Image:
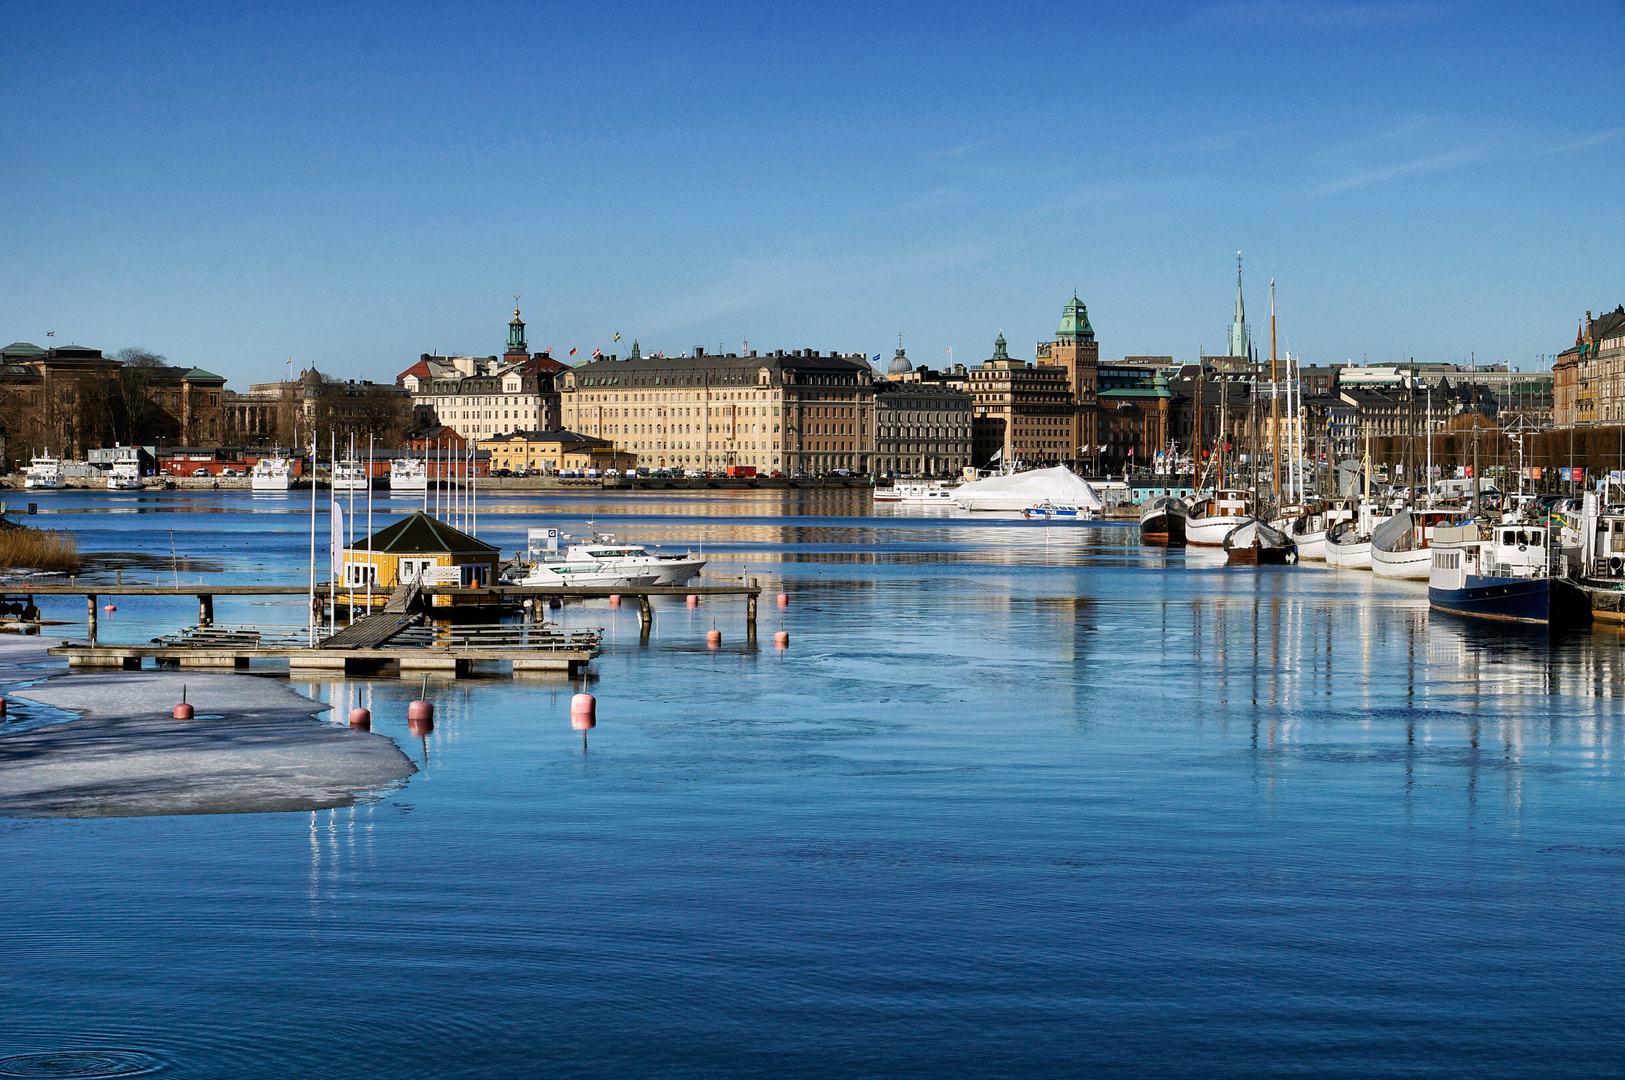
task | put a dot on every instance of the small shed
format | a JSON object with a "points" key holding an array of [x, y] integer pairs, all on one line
{"points": [[420, 547]]}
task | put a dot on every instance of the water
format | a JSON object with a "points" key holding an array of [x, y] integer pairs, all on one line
{"points": [[1017, 801]]}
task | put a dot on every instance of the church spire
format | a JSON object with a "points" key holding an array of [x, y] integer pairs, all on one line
{"points": [[1240, 340], [516, 332]]}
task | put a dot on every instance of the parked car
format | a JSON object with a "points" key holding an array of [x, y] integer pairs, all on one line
{"points": [[776, 475], [200, 472], [230, 472], [501, 472], [693, 474]]}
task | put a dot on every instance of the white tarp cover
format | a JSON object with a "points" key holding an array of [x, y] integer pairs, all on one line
{"points": [[1021, 490]]}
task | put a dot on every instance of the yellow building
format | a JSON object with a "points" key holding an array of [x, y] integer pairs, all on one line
{"points": [[554, 451], [420, 548]]}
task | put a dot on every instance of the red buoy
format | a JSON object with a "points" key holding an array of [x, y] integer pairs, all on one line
{"points": [[784, 599], [420, 710], [693, 601], [614, 600], [361, 718], [583, 712], [782, 639], [183, 711], [713, 638], [109, 607]]}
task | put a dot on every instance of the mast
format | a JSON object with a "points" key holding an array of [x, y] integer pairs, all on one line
{"points": [[1275, 405], [1196, 454]]}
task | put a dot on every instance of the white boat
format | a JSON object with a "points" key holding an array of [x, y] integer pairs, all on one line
{"points": [[350, 476], [1064, 511], [1347, 547], [1401, 547], [606, 564], [126, 474], [44, 473], [272, 474], [1308, 523], [918, 493], [408, 475], [1212, 518], [1019, 491]]}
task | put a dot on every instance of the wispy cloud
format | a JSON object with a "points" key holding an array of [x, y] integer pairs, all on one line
{"points": [[1305, 15], [1581, 144], [1432, 163]]}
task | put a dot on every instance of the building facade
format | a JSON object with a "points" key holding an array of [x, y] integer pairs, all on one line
{"points": [[1076, 352], [1589, 377], [1020, 411], [480, 396], [801, 412], [551, 452], [922, 423]]}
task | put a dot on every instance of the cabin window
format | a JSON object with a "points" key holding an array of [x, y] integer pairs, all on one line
{"points": [[1535, 538], [1509, 538]]}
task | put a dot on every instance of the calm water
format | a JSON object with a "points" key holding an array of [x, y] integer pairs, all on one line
{"points": [[1018, 801]]}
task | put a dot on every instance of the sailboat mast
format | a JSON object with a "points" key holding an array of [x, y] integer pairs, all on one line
{"points": [[1275, 404], [1196, 452]]}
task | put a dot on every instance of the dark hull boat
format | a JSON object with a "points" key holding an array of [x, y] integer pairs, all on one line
{"points": [[1162, 522], [1547, 601], [1503, 572], [1254, 543]]}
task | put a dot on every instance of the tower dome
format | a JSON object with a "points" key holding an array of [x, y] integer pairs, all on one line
{"points": [[899, 365]]}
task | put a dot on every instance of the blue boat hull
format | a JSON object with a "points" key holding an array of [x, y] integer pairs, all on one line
{"points": [[1546, 601]]}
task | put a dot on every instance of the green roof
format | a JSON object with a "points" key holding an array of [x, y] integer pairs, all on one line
{"points": [[197, 374], [422, 534], [1075, 322], [22, 348]]}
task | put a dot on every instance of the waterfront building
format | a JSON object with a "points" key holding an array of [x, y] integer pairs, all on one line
{"points": [[799, 412], [553, 452], [1134, 413], [922, 422], [1076, 352], [1021, 411], [420, 547], [1589, 377], [479, 396]]}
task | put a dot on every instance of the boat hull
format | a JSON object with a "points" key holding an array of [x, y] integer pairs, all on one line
{"points": [[1545, 601], [1311, 546], [1414, 565], [1356, 556], [1211, 531], [1162, 527]]}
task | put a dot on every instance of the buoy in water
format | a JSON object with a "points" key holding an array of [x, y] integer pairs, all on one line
{"points": [[782, 639], [554, 602], [784, 599], [110, 607], [583, 712], [713, 638], [183, 711], [614, 600], [693, 601], [361, 718], [420, 710]]}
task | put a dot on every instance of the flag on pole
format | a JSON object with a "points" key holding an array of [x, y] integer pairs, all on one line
{"points": [[617, 337], [598, 354], [572, 352]]}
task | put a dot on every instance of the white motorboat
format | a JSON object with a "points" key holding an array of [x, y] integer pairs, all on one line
{"points": [[1212, 518], [918, 493], [350, 476], [271, 474], [1063, 511], [44, 473], [616, 566], [1401, 547], [126, 474], [408, 475]]}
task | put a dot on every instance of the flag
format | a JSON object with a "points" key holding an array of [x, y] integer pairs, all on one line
{"points": [[336, 547], [617, 337], [50, 333], [876, 360], [572, 352], [598, 354]]}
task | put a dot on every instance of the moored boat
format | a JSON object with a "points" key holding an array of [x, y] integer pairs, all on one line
{"points": [[351, 476], [408, 475], [1065, 511], [1212, 518], [1502, 572], [1253, 543], [607, 564], [272, 474], [1162, 521], [1400, 545], [44, 473]]}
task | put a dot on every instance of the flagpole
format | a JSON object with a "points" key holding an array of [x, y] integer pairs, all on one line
{"points": [[349, 530], [332, 505], [311, 606], [371, 440]]}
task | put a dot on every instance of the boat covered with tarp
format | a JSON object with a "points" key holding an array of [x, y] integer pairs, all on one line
{"points": [[1018, 491]]}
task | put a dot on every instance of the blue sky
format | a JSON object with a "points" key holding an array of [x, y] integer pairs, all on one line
{"points": [[236, 185]]}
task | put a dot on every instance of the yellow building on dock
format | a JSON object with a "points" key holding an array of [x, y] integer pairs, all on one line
{"points": [[420, 548]]}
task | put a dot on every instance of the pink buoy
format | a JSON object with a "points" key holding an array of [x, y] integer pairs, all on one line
{"points": [[693, 601], [784, 599], [614, 600], [713, 638], [782, 639], [420, 710], [361, 718], [109, 607], [583, 712], [183, 711]]}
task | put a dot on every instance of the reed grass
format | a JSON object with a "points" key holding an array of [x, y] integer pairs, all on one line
{"points": [[22, 548]]}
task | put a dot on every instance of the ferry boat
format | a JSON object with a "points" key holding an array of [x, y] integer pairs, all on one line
{"points": [[351, 476], [1162, 521], [126, 474], [44, 473], [1253, 543], [1400, 546], [1502, 572], [606, 564], [1212, 518], [1067, 511], [408, 475], [271, 474]]}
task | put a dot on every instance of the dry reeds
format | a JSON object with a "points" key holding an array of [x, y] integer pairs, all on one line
{"points": [[22, 548]]}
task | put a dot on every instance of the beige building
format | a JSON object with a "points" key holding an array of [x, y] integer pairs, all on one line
{"points": [[1590, 377], [480, 396], [1076, 352], [1020, 411], [554, 452], [922, 423], [798, 412]]}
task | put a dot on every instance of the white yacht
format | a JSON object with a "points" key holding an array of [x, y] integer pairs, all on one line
{"points": [[408, 475], [44, 473], [126, 474], [271, 474], [918, 493], [1211, 519], [606, 564], [350, 476]]}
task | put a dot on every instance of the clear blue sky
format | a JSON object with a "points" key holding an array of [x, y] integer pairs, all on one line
{"points": [[234, 185]]}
